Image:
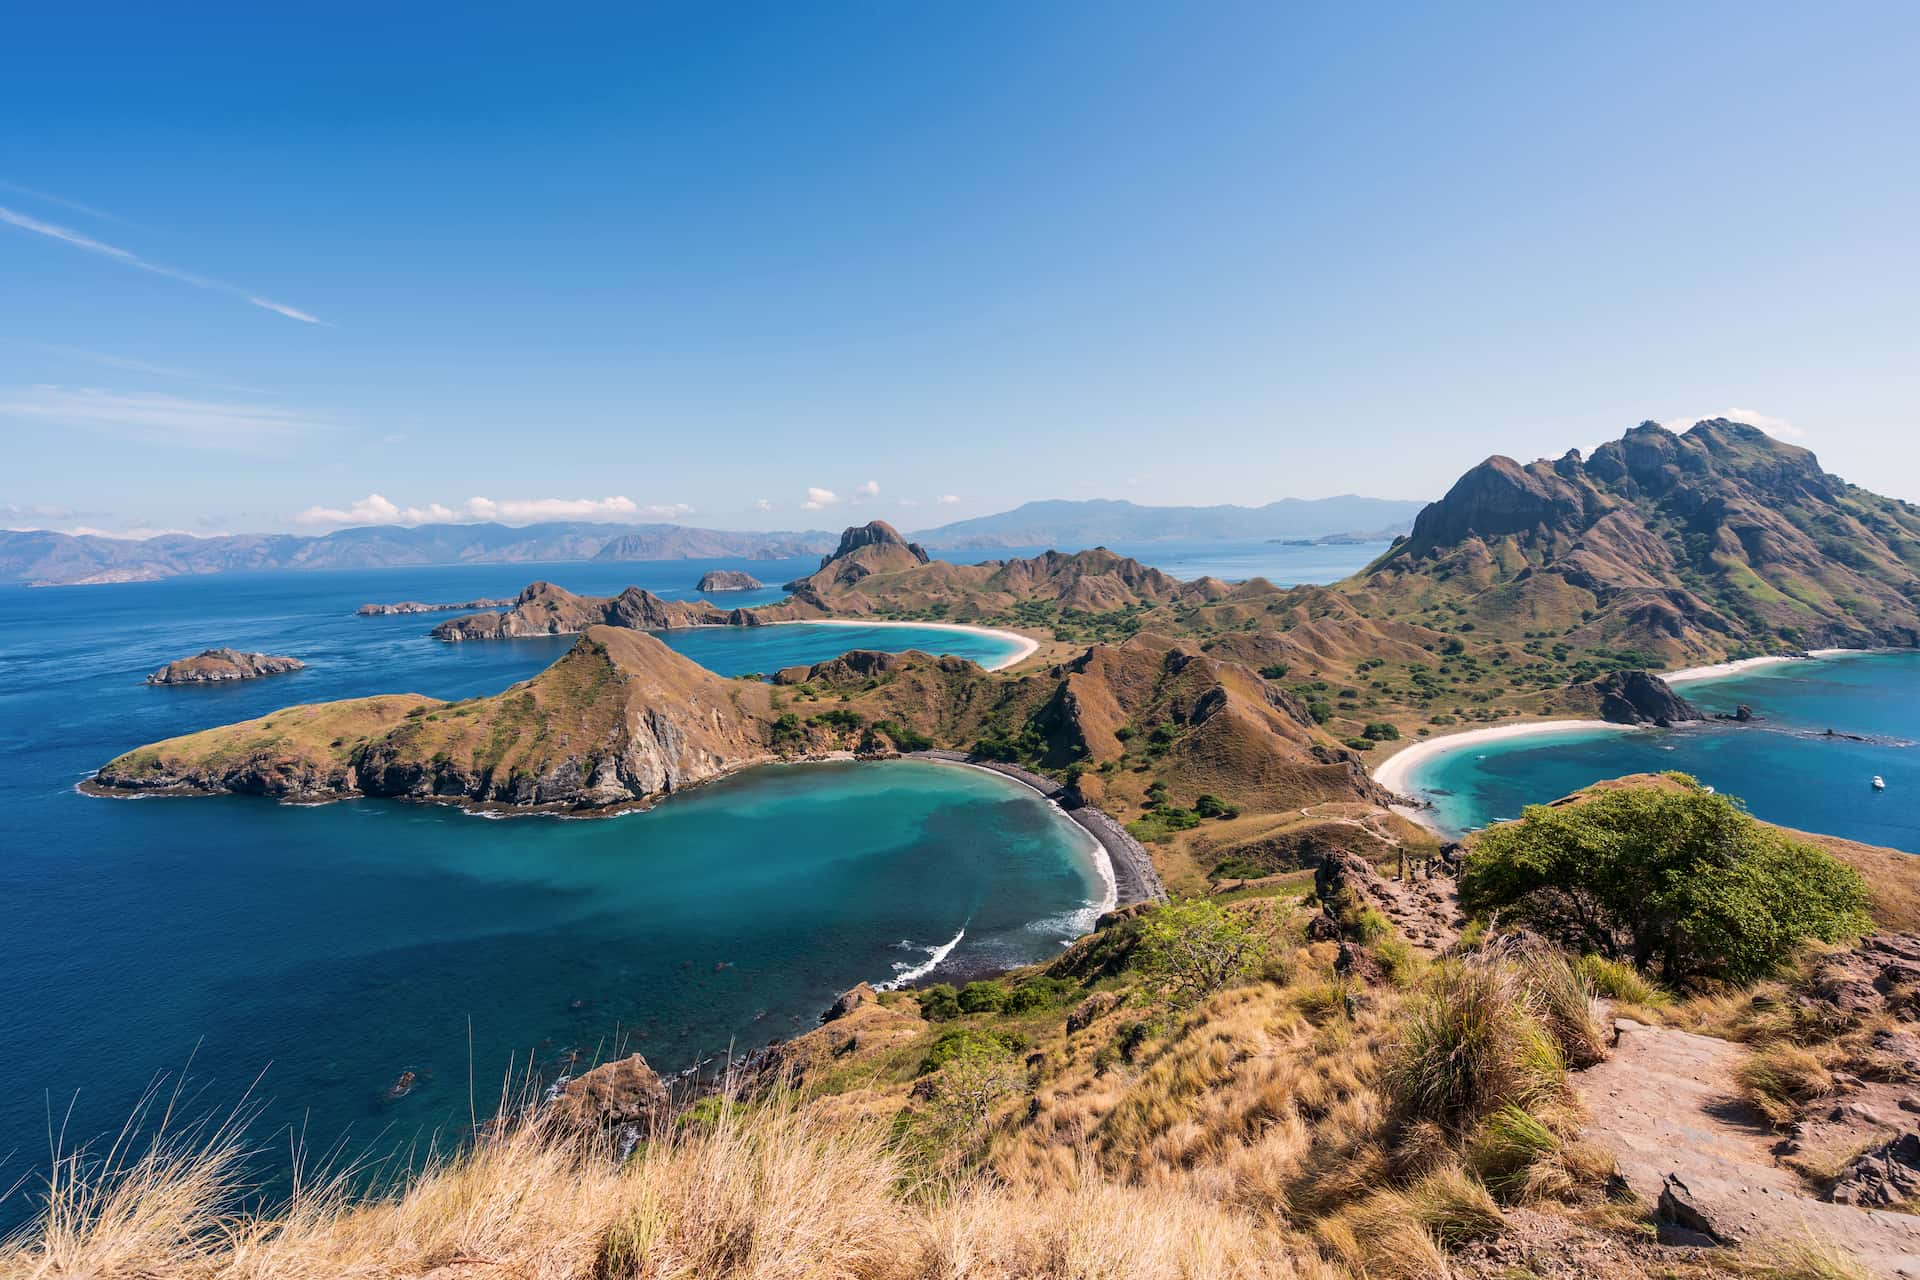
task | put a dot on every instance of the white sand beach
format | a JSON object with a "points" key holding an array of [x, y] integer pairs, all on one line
{"points": [[1027, 643], [1720, 669], [1396, 772]]}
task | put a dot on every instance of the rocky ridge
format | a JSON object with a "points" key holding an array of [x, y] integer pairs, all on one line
{"points": [[1690, 546], [544, 609]]}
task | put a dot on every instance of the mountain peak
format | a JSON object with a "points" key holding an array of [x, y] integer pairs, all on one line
{"points": [[875, 533]]}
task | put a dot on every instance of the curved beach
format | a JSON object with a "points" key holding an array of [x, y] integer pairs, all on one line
{"points": [[1396, 773], [1027, 645]]}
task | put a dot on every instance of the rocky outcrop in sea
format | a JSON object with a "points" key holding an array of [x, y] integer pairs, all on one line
{"points": [[728, 580], [213, 666]]}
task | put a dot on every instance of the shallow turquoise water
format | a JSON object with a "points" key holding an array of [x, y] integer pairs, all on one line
{"points": [[1782, 767], [336, 946]]}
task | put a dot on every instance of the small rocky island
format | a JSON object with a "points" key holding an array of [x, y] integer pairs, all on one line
{"points": [[417, 606], [728, 580], [214, 665]]}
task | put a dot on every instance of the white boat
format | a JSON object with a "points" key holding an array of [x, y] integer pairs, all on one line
{"points": [[1879, 783]]}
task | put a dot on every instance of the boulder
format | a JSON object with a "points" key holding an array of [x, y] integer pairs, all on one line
{"points": [[1091, 1010], [850, 999], [611, 1096]]}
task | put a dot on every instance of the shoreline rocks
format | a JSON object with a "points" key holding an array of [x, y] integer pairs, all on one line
{"points": [[214, 666]]}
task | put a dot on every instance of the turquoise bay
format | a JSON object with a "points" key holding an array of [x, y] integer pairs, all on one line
{"points": [[334, 948], [1784, 766]]}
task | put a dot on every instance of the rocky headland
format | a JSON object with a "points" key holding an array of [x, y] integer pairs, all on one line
{"points": [[544, 609], [1632, 697], [214, 666], [417, 606], [728, 580]]}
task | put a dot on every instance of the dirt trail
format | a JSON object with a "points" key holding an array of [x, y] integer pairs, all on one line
{"points": [[1666, 1104]]}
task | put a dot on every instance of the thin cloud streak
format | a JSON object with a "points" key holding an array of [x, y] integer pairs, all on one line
{"points": [[47, 197], [79, 240], [156, 416]]}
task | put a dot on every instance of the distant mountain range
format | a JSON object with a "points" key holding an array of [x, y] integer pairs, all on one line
{"points": [[42, 556], [49, 558], [1072, 526]]}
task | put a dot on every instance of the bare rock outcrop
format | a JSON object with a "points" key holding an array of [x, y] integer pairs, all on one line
{"points": [[612, 1096], [728, 580], [216, 666]]}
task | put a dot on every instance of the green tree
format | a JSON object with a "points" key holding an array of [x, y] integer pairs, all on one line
{"points": [[1189, 950], [1685, 881]]}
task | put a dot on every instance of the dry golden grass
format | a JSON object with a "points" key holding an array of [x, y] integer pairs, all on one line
{"points": [[762, 1193], [1298, 1126]]}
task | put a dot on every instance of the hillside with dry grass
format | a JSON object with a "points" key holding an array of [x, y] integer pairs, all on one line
{"points": [[1267, 1082]]}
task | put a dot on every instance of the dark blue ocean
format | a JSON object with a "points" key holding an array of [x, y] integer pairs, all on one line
{"points": [[334, 947], [1783, 766]]}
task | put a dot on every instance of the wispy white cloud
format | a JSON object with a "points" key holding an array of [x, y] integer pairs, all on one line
{"points": [[1779, 428], [947, 499], [129, 364], [156, 416], [378, 509], [47, 197], [907, 502], [870, 489], [80, 240], [762, 504], [818, 498]]}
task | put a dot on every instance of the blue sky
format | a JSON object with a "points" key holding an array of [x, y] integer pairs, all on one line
{"points": [[257, 267]]}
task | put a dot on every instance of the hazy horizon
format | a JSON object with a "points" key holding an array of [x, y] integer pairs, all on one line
{"points": [[783, 269]]}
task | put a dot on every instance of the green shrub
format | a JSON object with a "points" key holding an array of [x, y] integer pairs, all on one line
{"points": [[1189, 950], [1360, 744], [1274, 671], [902, 737], [1237, 867], [1212, 806], [1380, 731], [1320, 711], [1040, 993], [957, 1042], [1689, 881], [938, 1003], [982, 997]]}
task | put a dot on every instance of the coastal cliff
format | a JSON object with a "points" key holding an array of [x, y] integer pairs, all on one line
{"points": [[215, 666]]}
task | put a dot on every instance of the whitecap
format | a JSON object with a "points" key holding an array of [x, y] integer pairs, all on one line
{"points": [[904, 974]]}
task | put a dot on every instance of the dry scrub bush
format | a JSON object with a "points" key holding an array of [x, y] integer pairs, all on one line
{"points": [[1780, 1078]]}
